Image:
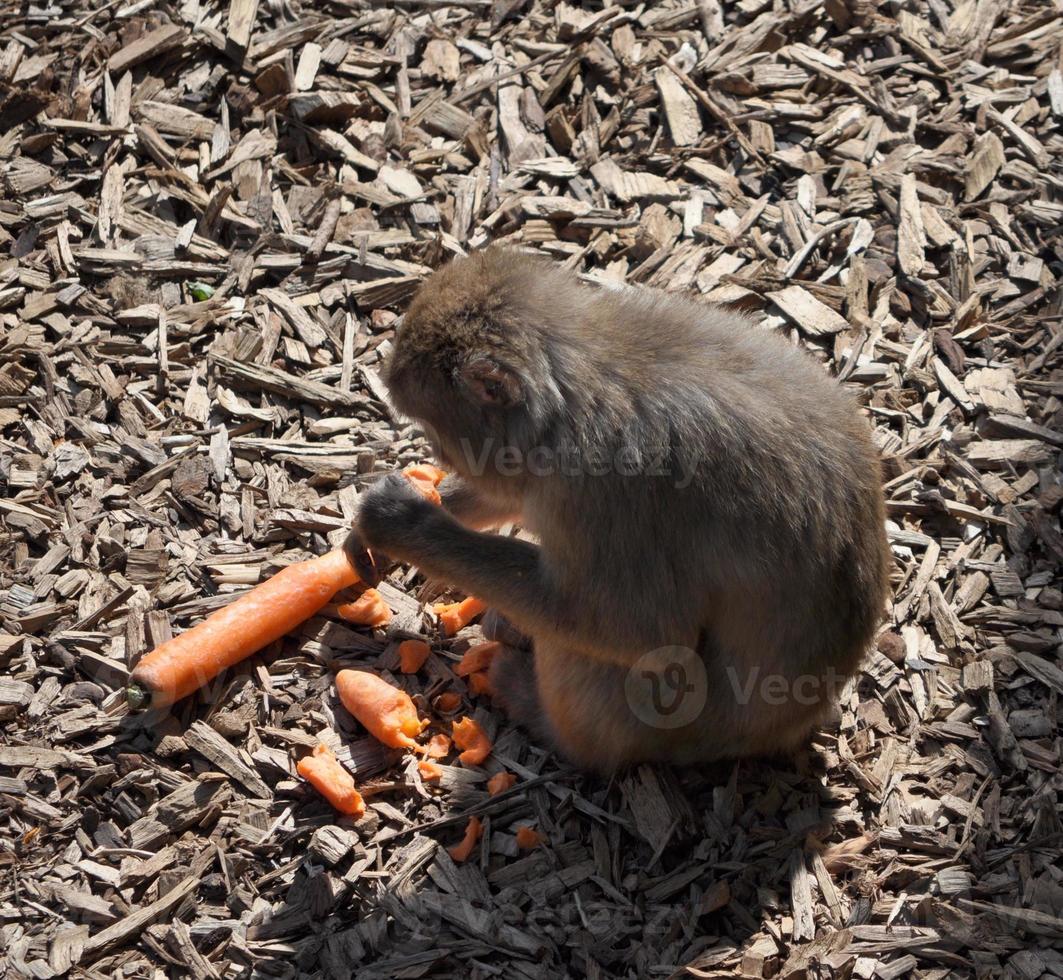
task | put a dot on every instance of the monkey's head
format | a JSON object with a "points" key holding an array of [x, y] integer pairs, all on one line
{"points": [[475, 357]]}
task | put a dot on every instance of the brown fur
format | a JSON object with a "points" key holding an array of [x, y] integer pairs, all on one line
{"points": [[758, 540]]}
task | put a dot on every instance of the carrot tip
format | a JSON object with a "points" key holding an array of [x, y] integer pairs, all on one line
{"points": [[136, 697]]}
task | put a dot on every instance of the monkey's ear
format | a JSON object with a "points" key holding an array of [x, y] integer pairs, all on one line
{"points": [[491, 383]]}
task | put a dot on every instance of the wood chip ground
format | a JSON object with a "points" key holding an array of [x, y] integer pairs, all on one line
{"points": [[211, 216]]}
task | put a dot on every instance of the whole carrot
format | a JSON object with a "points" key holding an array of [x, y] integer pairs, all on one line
{"points": [[182, 665]]}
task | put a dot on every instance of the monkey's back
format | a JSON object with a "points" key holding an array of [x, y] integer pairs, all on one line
{"points": [[763, 544]]}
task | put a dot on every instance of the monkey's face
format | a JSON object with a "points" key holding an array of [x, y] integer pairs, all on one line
{"points": [[460, 367]]}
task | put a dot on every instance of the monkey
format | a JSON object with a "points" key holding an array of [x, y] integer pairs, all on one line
{"points": [[709, 561]]}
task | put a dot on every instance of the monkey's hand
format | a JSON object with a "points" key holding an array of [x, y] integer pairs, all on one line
{"points": [[393, 517]]}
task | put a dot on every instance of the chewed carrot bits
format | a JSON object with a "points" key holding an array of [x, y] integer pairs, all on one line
{"points": [[479, 683], [454, 616], [438, 746], [323, 771], [500, 782], [473, 830], [430, 772], [412, 655], [425, 477], [528, 837], [448, 701], [477, 658], [468, 735], [425, 471], [369, 609], [386, 712]]}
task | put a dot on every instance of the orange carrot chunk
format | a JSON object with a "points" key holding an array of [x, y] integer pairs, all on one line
{"points": [[323, 771], [479, 683], [386, 712], [430, 772], [425, 471], [412, 655], [426, 490], [500, 782], [438, 746], [473, 831], [272, 608], [477, 658], [448, 701], [468, 735], [528, 837], [453, 616], [369, 609], [425, 478]]}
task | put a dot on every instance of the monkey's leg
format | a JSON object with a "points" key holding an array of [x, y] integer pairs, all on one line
{"points": [[515, 691], [472, 508], [579, 707]]}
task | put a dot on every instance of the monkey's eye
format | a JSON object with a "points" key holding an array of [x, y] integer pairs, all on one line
{"points": [[490, 382]]}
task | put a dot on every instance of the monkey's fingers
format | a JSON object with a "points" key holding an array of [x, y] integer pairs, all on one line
{"points": [[368, 566]]}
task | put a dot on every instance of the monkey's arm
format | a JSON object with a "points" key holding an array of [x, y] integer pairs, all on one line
{"points": [[506, 573], [471, 507]]}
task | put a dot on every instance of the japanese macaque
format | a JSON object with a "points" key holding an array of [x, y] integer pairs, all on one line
{"points": [[711, 560]]}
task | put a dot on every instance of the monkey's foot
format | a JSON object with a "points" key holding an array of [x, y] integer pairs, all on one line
{"points": [[496, 627]]}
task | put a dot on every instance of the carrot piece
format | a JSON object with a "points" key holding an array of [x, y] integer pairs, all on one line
{"points": [[176, 668], [528, 837], [426, 490], [412, 655], [385, 711], [369, 609], [500, 782], [448, 701], [453, 616], [479, 683], [438, 746], [323, 771], [430, 772], [468, 735], [473, 830], [425, 478], [425, 471], [477, 658]]}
